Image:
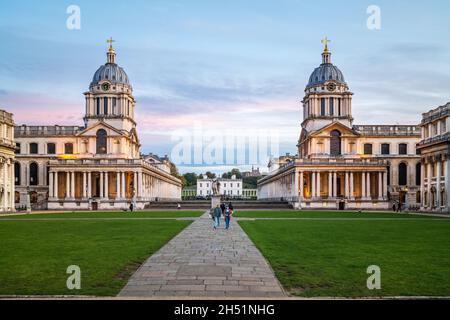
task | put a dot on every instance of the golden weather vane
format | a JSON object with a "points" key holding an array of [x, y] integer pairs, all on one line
{"points": [[110, 41], [325, 42]]}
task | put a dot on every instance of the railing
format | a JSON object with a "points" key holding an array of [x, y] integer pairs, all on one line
{"points": [[395, 130], [23, 131], [441, 138], [436, 114]]}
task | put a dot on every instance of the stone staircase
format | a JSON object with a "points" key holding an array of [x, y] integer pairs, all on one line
{"points": [[206, 204]]}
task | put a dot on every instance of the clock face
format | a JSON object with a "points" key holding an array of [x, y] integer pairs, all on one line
{"points": [[105, 86], [331, 86]]}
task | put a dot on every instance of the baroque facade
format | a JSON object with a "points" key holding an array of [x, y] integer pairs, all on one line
{"points": [[7, 149], [435, 152], [97, 165], [339, 164]]}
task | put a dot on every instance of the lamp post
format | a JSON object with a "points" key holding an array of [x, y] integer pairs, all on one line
{"points": [[406, 199]]}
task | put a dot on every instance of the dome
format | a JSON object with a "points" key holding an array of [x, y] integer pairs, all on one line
{"points": [[111, 72], [325, 72]]}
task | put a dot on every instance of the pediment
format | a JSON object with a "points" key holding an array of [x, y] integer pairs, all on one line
{"points": [[92, 130], [343, 129]]}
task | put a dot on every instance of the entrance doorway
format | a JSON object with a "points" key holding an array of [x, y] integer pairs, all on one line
{"points": [[95, 206]]}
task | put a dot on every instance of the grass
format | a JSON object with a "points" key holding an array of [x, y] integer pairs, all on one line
{"points": [[112, 214], [34, 255], [330, 258], [319, 214]]}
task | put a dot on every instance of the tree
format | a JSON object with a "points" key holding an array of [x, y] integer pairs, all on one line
{"points": [[236, 172], [175, 173], [200, 176], [210, 175], [191, 178]]}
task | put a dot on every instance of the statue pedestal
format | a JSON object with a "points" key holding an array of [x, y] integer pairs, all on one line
{"points": [[215, 200]]}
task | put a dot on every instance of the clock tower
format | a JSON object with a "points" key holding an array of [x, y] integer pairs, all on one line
{"points": [[327, 97], [110, 96]]}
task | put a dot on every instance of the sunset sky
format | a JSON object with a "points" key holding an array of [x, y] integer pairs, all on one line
{"points": [[224, 64]]}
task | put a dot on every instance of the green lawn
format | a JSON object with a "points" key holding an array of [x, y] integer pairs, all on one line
{"points": [[319, 214], [34, 255], [100, 214], [330, 258]]}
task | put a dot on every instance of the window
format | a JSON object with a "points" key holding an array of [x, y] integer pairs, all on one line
{"points": [[335, 143], [105, 105], [402, 148], [33, 148], [114, 105], [34, 177], [17, 174], [322, 106], [18, 148], [367, 148], [332, 106], [417, 150], [68, 148], [385, 148], [51, 148], [443, 127], [98, 105], [339, 106], [402, 174], [418, 173], [200, 185], [102, 140]]}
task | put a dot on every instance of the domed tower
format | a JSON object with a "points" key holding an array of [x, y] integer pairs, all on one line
{"points": [[110, 96], [327, 96]]}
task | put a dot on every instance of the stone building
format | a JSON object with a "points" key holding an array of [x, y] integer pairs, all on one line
{"points": [[435, 152], [97, 165], [7, 148], [339, 164], [227, 187]]}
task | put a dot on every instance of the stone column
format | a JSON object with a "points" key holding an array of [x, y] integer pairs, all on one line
{"points": [[346, 194], [380, 186], [84, 185], [106, 192], [140, 184], [352, 192], [135, 184], [385, 185], [447, 183], [89, 175], [438, 184], [369, 196], [318, 185], [50, 185], [335, 185], [123, 188], [55, 192], [72, 185], [429, 204], [422, 184], [330, 184], [102, 195], [118, 194], [313, 185], [301, 185], [67, 184], [363, 186]]}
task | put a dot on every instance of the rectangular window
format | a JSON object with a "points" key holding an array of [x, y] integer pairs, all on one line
{"points": [[367, 148], [17, 147], [385, 148], [105, 105], [402, 148], [51, 149], [322, 106], [98, 105], [339, 106], [33, 148], [68, 148]]}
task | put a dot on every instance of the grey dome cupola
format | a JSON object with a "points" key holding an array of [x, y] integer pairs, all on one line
{"points": [[110, 71], [326, 71]]}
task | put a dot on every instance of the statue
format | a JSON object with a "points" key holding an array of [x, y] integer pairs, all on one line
{"points": [[215, 187]]}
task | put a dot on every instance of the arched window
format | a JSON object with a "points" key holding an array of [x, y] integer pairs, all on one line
{"points": [[335, 143], [418, 173], [34, 174], [68, 148], [402, 174], [17, 174], [102, 142]]}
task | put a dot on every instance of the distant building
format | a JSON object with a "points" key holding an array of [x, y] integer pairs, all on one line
{"points": [[228, 187], [7, 148], [253, 173], [435, 153]]}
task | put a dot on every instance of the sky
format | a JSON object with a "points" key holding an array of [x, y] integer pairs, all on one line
{"points": [[235, 66]]}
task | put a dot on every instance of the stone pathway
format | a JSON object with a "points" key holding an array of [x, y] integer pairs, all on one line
{"points": [[203, 262]]}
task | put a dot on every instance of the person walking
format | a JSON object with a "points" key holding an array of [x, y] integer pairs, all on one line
{"points": [[228, 214], [131, 207], [216, 216], [222, 207], [230, 206]]}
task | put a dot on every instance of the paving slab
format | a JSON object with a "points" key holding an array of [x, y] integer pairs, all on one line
{"points": [[203, 262]]}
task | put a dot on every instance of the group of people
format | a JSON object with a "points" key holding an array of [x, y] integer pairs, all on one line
{"points": [[223, 210]]}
